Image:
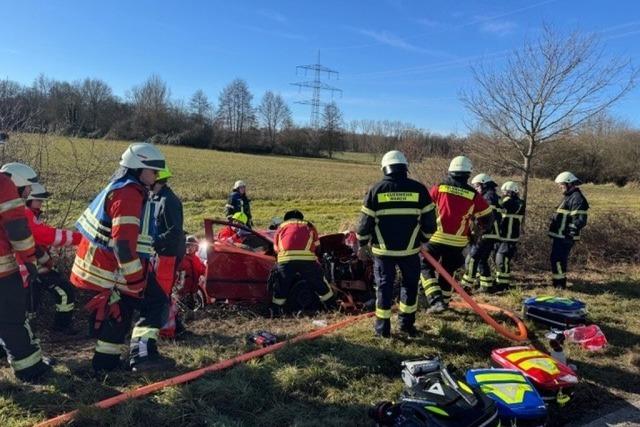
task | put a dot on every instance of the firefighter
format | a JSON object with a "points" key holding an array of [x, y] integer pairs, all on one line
{"points": [[397, 216], [295, 244], [570, 217], [457, 205], [16, 338], [189, 290], [112, 260], [512, 210], [480, 250], [233, 234], [49, 278], [169, 242], [239, 202]]}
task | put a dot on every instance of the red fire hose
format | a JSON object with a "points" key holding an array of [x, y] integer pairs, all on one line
{"points": [[481, 309], [190, 376], [467, 302]]}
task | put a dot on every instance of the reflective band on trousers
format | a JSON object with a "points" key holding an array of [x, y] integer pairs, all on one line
{"points": [[65, 306], [326, 297], [383, 314], [108, 348], [27, 362], [408, 309], [278, 301], [145, 332]]}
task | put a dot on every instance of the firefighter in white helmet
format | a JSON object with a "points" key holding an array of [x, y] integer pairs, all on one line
{"points": [[512, 210], [397, 216], [112, 261], [17, 244], [477, 262], [570, 217], [457, 204], [239, 202]]}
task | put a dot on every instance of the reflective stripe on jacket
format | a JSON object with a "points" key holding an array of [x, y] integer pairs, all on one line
{"points": [[397, 216], [511, 214], [457, 204], [296, 240], [570, 216], [15, 235]]}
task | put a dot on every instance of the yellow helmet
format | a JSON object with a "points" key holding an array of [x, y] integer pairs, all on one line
{"points": [[164, 174], [241, 217]]}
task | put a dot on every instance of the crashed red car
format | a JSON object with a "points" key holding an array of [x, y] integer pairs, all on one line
{"points": [[240, 273]]}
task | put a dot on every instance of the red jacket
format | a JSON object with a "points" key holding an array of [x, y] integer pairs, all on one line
{"points": [[229, 234], [457, 204], [47, 236], [15, 236], [296, 241], [193, 268], [99, 269]]}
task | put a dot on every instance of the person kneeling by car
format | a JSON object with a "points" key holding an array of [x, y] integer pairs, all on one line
{"points": [[295, 244]]}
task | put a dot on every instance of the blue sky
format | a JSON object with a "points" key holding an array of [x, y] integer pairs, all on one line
{"points": [[398, 60]]}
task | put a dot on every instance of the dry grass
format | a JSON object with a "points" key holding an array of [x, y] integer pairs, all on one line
{"points": [[333, 380]]}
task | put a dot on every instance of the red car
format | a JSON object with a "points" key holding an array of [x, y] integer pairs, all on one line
{"points": [[240, 273]]}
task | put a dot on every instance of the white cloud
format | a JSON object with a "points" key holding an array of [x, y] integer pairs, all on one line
{"points": [[393, 40], [272, 15], [502, 28]]}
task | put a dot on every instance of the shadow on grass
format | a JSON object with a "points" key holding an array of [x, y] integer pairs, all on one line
{"points": [[629, 289]]}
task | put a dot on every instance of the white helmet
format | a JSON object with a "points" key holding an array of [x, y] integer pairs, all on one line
{"points": [[510, 186], [481, 178], [393, 157], [460, 164], [142, 155], [239, 184], [38, 192], [21, 174], [566, 178]]}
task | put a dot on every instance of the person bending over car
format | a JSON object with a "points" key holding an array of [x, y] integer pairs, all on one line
{"points": [[295, 245]]}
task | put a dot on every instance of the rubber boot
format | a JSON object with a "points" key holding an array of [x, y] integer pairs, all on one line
{"points": [[63, 323], [383, 328]]}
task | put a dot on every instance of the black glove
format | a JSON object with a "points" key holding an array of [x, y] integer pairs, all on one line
{"points": [[572, 231], [32, 273]]}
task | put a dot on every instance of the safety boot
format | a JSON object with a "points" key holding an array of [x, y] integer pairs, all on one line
{"points": [[383, 328], [437, 307]]}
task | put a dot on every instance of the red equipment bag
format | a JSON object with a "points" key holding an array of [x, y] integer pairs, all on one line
{"points": [[554, 381]]}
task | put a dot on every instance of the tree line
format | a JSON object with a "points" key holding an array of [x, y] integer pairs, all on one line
{"points": [[234, 122]]}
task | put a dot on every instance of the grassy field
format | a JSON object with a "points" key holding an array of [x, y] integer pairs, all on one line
{"points": [[332, 380]]}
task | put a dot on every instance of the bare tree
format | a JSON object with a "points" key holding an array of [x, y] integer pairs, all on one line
{"points": [[151, 103], [547, 89], [97, 98], [331, 132], [235, 110], [200, 106], [274, 114]]}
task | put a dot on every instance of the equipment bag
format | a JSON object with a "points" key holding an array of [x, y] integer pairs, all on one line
{"points": [[553, 311], [434, 397], [519, 403], [554, 381]]}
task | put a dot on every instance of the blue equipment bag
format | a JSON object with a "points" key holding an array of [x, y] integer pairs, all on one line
{"points": [[564, 313], [518, 402]]}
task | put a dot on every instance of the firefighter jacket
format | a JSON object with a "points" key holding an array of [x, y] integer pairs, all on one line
{"points": [[190, 270], [117, 230], [397, 216], [229, 234], [296, 240], [457, 204], [15, 236], [170, 239], [46, 236], [570, 216], [493, 200], [238, 202], [511, 214]]}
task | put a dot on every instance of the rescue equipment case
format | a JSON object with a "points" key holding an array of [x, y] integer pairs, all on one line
{"points": [[554, 381], [553, 311], [519, 403], [434, 397]]}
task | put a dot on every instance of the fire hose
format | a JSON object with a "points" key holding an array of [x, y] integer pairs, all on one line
{"points": [[468, 302], [480, 309]]}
